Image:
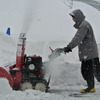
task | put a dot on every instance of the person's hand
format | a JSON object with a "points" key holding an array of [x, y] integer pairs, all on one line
{"points": [[67, 49]]}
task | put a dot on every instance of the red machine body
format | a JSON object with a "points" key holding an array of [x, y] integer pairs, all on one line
{"points": [[15, 78], [26, 70]]}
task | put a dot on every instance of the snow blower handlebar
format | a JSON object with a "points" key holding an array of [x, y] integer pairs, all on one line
{"points": [[51, 49], [55, 53]]}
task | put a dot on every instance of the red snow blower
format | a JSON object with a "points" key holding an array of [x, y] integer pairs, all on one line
{"points": [[28, 72]]}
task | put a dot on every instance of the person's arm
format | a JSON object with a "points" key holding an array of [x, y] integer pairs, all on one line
{"points": [[79, 36]]}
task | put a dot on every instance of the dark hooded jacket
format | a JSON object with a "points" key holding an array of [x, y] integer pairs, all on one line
{"points": [[84, 37]]}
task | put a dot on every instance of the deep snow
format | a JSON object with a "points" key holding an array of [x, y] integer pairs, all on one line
{"points": [[51, 26]]}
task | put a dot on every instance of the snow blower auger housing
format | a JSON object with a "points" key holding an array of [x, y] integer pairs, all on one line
{"points": [[28, 72]]}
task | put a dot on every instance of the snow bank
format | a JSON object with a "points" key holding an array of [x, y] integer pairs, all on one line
{"points": [[7, 49], [4, 86]]}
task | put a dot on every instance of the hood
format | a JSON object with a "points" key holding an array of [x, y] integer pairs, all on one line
{"points": [[79, 16]]}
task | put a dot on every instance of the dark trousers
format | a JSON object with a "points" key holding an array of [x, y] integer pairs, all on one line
{"points": [[89, 69]]}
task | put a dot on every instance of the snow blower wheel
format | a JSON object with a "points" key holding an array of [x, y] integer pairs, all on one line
{"points": [[41, 87], [26, 85]]}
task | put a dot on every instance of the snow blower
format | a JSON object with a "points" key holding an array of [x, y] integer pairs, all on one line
{"points": [[28, 72]]}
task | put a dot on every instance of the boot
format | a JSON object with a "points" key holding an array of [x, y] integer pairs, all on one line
{"points": [[87, 90], [90, 83]]}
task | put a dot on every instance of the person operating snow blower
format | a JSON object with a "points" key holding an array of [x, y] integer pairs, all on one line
{"points": [[88, 51]]}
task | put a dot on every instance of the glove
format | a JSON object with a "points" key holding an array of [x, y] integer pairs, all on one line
{"points": [[67, 49]]}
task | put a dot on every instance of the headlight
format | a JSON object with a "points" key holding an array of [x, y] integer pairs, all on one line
{"points": [[31, 67]]}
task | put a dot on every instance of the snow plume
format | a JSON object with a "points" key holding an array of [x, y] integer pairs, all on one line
{"points": [[28, 16], [62, 72]]}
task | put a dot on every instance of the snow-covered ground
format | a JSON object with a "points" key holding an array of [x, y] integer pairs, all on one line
{"points": [[97, 0], [47, 23]]}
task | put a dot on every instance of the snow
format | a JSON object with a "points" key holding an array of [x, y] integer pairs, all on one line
{"points": [[48, 25], [97, 0]]}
